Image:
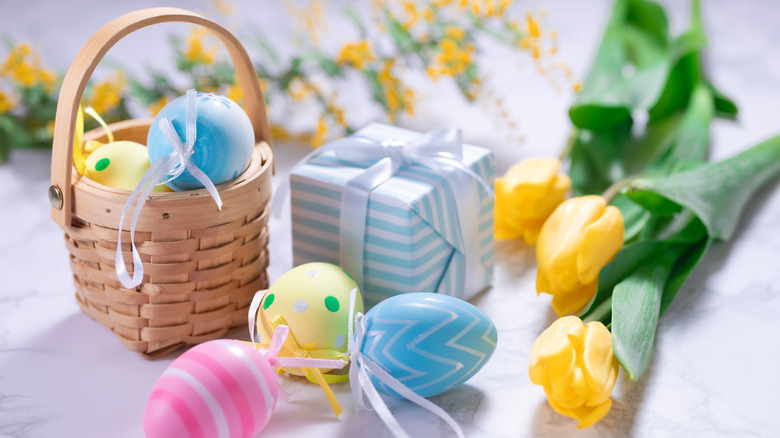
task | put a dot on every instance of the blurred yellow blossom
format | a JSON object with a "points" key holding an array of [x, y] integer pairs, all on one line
{"points": [[454, 32], [577, 368], [299, 90], [412, 13], [23, 66], [451, 60], [225, 7], [319, 134], [533, 26], [155, 107], [336, 112], [580, 237], [397, 96], [107, 95], [526, 196], [234, 93], [485, 8], [310, 17], [356, 54], [7, 103], [429, 14], [196, 51]]}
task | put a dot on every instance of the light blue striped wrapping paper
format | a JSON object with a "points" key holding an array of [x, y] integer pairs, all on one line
{"points": [[406, 250]]}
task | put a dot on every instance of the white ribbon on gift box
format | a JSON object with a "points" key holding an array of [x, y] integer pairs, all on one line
{"points": [[170, 166], [440, 150]]}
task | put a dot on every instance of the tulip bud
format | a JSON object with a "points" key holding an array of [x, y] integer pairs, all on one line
{"points": [[575, 365], [580, 237], [526, 196]]}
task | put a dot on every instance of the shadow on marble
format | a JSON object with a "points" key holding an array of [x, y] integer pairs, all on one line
{"points": [[627, 398], [515, 257]]}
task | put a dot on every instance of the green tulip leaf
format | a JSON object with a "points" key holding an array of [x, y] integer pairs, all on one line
{"points": [[630, 67], [634, 216], [685, 264], [654, 202], [627, 260], [725, 107], [595, 159], [636, 307], [715, 192], [692, 142], [686, 70], [684, 227]]}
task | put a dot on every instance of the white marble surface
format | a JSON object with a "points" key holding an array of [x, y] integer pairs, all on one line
{"points": [[714, 373]]}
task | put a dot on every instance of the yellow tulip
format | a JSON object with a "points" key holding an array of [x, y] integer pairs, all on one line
{"points": [[575, 365], [580, 237], [526, 196]]}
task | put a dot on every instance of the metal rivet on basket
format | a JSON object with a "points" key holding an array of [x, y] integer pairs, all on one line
{"points": [[55, 197], [166, 215]]}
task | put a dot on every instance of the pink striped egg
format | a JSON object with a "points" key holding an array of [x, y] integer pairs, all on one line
{"points": [[221, 388]]}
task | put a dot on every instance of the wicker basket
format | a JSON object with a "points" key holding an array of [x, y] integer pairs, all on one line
{"points": [[201, 265]]}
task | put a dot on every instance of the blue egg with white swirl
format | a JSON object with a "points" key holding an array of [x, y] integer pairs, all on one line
{"points": [[224, 142], [429, 342]]}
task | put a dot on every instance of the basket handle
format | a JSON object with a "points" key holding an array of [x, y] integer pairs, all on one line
{"points": [[75, 81]]}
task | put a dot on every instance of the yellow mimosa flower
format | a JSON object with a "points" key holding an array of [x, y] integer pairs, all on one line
{"points": [[196, 51], [533, 26], [7, 103], [454, 32], [429, 14], [526, 196], [411, 11], [580, 237], [155, 107], [234, 93], [356, 54], [107, 95], [319, 134], [577, 368]]}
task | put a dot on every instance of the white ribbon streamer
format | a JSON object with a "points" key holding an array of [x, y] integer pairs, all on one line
{"points": [[170, 166], [360, 380], [440, 150]]}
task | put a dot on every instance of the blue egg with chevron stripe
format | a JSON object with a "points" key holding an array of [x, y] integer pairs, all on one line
{"points": [[429, 342]]}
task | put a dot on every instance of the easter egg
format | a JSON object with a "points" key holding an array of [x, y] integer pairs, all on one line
{"points": [[313, 299], [119, 164], [430, 342], [224, 142], [221, 388]]}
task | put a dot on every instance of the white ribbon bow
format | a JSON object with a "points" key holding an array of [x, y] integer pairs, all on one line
{"points": [[360, 372], [171, 165]]}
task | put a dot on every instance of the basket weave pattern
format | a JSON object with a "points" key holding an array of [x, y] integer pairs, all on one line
{"points": [[198, 282], [202, 265]]}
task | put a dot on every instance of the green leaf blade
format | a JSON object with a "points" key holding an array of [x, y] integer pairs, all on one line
{"points": [[716, 192], [636, 307]]}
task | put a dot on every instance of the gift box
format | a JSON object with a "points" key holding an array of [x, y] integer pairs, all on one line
{"points": [[399, 211]]}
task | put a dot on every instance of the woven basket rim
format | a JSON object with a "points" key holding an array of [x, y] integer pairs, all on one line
{"points": [[100, 204], [99, 134]]}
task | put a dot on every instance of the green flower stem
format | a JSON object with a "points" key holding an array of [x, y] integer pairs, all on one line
{"points": [[567, 148], [601, 312], [615, 188]]}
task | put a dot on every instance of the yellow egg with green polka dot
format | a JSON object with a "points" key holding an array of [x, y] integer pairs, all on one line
{"points": [[313, 300], [120, 164]]}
